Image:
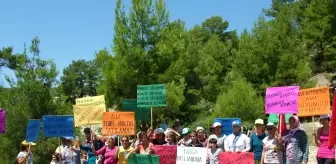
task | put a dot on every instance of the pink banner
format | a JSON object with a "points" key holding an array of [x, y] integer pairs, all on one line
{"points": [[282, 100], [2, 121], [167, 154], [239, 158]]}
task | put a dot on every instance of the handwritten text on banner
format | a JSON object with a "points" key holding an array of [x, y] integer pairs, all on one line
{"points": [[88, 114], [2, 121], [58, 126], [151, 95], [191, 155], [91, 100], [118, 123], [238, 158], [167, 154], [282, 100], [314, 101]]}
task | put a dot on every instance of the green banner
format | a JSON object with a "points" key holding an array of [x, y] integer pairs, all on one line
{"points": [[151, 95], [275, 118], [143, 159], [141, 113]]}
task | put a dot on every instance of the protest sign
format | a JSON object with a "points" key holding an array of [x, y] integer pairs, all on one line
{"points": [[58, 126], [282, 100], [151, 95], [314, 101], [143, 159], [194, 155], [237, 158], [2, 121], [167, 154], [130, 105], [33, 130], [118, 123], [226, 124], [88, 114], [275, 118], [91, 100]]}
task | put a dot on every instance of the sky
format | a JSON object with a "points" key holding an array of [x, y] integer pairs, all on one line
{"points": [[76, 29]]}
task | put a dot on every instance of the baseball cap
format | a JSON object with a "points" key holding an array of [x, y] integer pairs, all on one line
{"points": [[186, 131], [259, 122], [324, 116], [158, 131], [213, 136], [216, 124], [199, 128], [270, 124]]}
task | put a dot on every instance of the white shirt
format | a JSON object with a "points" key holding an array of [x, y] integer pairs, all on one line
{"points": [[242, 144], [69, 156], [272, 154], [22, 154]]}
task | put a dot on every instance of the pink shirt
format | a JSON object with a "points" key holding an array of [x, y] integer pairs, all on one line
{"points": [[108, 154], [324, 151]]}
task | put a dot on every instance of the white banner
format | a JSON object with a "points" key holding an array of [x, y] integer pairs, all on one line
{"points": [[188, 155]]}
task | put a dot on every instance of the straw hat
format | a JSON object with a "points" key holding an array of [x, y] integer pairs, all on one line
{"points": [[27, 143]]}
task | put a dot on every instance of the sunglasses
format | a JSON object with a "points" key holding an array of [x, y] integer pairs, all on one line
{"points": [[235, 126], [269, 128]]}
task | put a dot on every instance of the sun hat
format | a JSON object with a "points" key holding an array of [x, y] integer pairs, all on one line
{"points": [[199, 128], [212, 136], [185, 131], [259, 122], [27, 143], [324, 116], [217, 124]]}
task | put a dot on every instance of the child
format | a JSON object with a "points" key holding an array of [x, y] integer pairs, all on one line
{"points": [[186, 137], [171, 139], [55, 159], [213, 151], [194, 140]]}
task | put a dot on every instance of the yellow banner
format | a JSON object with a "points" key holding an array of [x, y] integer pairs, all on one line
{"points": [[314, 101], [91, 100], [88, 114]]}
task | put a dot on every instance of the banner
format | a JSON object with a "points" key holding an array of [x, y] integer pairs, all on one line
{"points": [[58, 126], [151, 95], [2, 121], [275, 118], [226, 124], [130, 105], [167, 154], [143, 159], [118, 123], [239, 158], [91, 100], [33, 130], [282, 100], [88, 114], [191, 155], [314, 101], [332, 129]]}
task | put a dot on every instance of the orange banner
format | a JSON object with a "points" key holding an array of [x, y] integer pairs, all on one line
{"points": [[118, 123], [314, 101]]}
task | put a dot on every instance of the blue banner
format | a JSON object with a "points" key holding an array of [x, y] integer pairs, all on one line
{"points": [[58, 126], [226, 124], [33, 130]]}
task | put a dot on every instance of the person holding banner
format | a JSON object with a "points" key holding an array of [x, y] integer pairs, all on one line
{"points": [[90, 156], [159, 137], [109, 152], [194, 140], [324, 154], [186, 137], [272, 153], [257, 140], [295, 143], [25, 156], [69, 153], [217, 131], [171, 138], [237, 142], [213, 151], [144, 147], [201, 135], [124, 150]]}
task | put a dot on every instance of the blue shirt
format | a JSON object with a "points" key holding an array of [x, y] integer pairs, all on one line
{"points": [[257, 145]]}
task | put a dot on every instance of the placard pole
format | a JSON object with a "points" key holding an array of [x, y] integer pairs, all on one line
{"points": [[313, 124], [280, 122], [152, 117]]}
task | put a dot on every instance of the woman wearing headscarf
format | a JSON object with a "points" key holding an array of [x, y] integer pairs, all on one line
{"points": [[324, 154], [25, 155], [257, 140], [217, 131], [237, 142], [295, 143], [110, 151]]}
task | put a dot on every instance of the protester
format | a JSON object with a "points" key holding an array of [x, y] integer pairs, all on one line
{"points": [[136, 140], [56, 159], [272, 153], [194, 140], [178, 126], [159, 137], [201, 136], [186, 137], [324, 154], [25, 155], [109, 152], [98, 144], [213, 151], [124, 150], [69, 153], [60, 149], [217, 131], [295, 143], [237, 142], [257, 138], [144, 147], [171, 138], [164, 125]]}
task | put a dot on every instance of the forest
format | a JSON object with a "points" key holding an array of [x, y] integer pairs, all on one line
{"points": [[209, 71]]}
